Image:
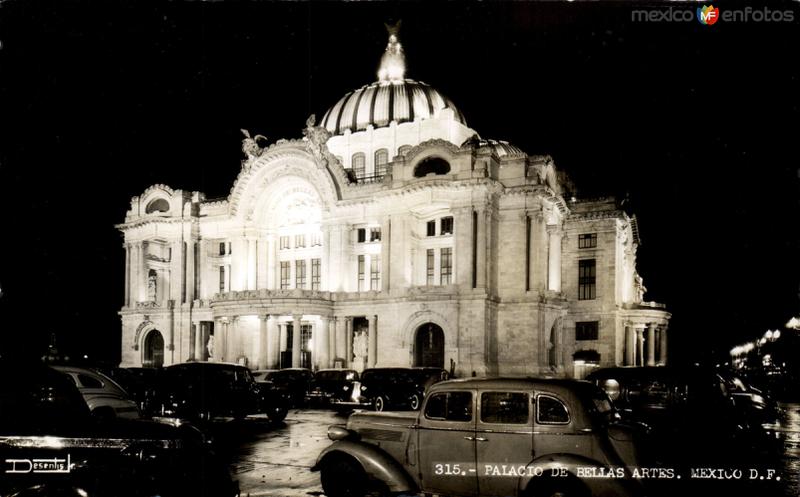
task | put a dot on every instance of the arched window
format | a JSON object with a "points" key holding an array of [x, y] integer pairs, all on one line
{"points": [[381, 161], [435, 165], [359, 164], [157, 205]]}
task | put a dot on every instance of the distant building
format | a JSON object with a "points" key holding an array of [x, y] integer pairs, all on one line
{"points": [[390, 235]]}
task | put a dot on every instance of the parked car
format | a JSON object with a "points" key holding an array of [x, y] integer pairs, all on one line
{"points": [[105, 397], [691, 408], [392, 388], [51, 445], [206, 390], [331, 385], [293, 381], [488, 437]]}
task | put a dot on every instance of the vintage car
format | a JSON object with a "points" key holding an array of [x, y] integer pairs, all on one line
{"points": [[487, 437], [105, 397], [51, 445], [291, 382], [331, 385], [694, 408], [392, 388], [206, 390]]}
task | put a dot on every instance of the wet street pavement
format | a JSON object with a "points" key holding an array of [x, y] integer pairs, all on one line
{"points": [[274, 459]]}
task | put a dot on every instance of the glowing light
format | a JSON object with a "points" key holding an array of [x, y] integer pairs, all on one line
{"points": [[768, 335], [393, 61], [776, 334], [793, 324]]}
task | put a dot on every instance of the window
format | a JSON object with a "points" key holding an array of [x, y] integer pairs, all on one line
{"points": [[430, 270], [375, 273], [431, 165], [381, 160], [299, 273], [284, 242], [550, 410], [221, 279], [504, 407], [587, 330], [157, 205], [362, 235], [221, 248], [588, 240], [450, 406], [299, 241], [374, 234], [587, 279], [359, 164], [285, 274], [316, 271], [447, 266], [431, 228], [447, 226], [316, 239], [87, 381], [361, 273]]}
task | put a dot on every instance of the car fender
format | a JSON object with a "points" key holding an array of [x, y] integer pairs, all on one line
{"points": [[553, 464], [376, 463]]}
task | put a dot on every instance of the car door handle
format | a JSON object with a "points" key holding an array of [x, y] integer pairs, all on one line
{"points": [[481, 439], [471, 439]]}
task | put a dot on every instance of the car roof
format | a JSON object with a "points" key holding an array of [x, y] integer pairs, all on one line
{"points": [[206, 365], [520, 383]]}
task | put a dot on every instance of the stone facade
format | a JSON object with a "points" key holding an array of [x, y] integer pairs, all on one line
{"points": [[444, 250]]}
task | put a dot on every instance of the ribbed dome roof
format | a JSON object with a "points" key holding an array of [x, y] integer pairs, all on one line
{"points": [[499, 148], [382, 102]]}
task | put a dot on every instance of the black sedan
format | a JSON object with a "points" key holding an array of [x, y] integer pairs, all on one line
{"points": [[393, 388], [331, 385], [51, 445]]}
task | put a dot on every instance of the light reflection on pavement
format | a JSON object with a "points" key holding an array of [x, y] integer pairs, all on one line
{"points": [[276, 460], [791, 451]]}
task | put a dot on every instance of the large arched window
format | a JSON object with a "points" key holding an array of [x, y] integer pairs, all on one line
{"points": [[431, 165], [157, 205], [359, 164], [381, 162]]}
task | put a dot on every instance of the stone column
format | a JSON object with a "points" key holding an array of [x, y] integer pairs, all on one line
{"points": [[386, 267], [252, 264], [663, 355], [296, 340], [272, 259], [189, 268], [348, 336], [554, 258], [232, 333], [220, 340], [142, 264], [274, 351], [283, 339], [321, 344], [482, 242], [639, 346], [651, 344], [127, 274], [261, 263], [263, 342], [372, 341], [341, 340], [331, 331], [198, 341], [462, 258], [630, 345]]}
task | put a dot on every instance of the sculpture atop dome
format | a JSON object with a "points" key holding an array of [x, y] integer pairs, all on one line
{"points": [[393, 60]]}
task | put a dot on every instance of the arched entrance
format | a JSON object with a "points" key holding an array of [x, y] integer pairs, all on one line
{"points": [[153, 350], [429, 346]]}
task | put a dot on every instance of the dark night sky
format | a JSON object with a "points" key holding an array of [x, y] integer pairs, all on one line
{"points": [[698, 124]]}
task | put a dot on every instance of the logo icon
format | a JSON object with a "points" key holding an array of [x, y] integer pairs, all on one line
{"points": [[707, 15]]}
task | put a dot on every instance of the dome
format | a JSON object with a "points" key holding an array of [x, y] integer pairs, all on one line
{"points": [[499, 148], [382, 102]]}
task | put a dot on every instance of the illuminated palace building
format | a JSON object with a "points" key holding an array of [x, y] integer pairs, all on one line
{"points": [[391, 234]]}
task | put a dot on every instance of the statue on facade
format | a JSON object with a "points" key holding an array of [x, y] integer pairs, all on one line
{"points": [[639, 288], [316, 138], [251, 147], [210, 347], [152, 281], [360, 350]]}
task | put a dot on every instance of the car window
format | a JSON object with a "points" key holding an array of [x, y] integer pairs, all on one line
{"points": [[87, 381], [550, 410], [450, 406], [505, 407]]}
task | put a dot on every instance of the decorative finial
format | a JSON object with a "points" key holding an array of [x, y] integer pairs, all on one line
{"points": [[393, 61]]}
